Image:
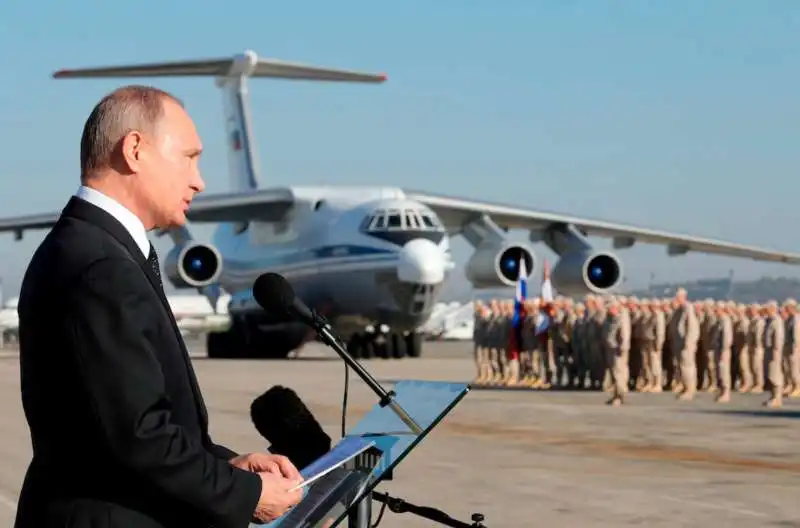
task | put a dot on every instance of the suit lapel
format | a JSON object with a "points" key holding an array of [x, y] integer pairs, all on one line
{"points": [[154, 282], [201, 408], [81, 209]]}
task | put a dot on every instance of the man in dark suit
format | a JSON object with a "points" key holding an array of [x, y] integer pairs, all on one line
{"points": [[118, 425]]}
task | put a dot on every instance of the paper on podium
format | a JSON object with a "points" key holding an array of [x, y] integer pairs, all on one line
{"points": [[324, 501], [342, 452], [330, 487]]}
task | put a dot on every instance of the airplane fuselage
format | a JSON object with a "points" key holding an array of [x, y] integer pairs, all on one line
{"points": [[374, 260]]}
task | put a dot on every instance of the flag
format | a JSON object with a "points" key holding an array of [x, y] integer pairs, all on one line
{"points": [[515, 339], [543, 320]]}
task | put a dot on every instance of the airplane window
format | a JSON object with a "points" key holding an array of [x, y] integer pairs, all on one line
{"points": [[419, 218], [432, 221], [395, 221], [368, 220], [413, 219]]}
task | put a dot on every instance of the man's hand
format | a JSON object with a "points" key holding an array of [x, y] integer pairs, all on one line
{"points": [[267, 463], [276, 499]]}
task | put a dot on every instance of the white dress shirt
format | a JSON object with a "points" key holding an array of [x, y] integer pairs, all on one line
{"points": [[123, 215]]}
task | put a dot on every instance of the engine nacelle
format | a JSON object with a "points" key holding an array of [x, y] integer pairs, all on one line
{"points": [[580, 272], [193, 265], [496, 266]]}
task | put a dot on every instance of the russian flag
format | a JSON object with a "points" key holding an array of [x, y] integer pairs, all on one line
{"points": [[543, 321], [515, 340]]}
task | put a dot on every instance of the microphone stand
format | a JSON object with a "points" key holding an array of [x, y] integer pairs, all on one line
{"points": [[385, 399], [397, 505], [362, 515]]}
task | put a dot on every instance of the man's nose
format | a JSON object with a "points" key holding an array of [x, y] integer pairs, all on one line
{"points": [[198, 184]]}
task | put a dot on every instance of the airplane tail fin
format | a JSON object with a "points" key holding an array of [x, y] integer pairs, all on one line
{"points": [[231, 74]]}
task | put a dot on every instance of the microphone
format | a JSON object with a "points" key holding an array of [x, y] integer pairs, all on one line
{"points": [[286, 423], [275, 295]]}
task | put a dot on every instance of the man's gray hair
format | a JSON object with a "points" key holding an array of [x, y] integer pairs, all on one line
{"points": [[133, 107]]}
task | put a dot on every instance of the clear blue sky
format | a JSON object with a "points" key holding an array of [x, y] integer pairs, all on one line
{"points": [[678, 114]]}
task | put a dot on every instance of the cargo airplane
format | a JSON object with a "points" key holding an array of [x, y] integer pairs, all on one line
{"points": [[366, 257]]}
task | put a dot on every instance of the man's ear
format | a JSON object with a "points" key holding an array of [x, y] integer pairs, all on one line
{"points": [[130, 148]]}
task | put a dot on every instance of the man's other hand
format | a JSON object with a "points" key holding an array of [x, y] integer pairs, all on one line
{"points": [[276, 499], [265, 462]]}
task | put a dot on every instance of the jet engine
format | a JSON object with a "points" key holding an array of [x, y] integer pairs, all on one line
{"points": [[498, 266], [193, 265], [580, 272]]}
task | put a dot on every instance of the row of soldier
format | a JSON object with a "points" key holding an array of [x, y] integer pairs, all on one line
{"points": [[620, 344]]}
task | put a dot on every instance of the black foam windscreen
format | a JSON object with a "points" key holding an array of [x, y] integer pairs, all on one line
{"points": [[276, 296], [274, 293], [286, 423]]}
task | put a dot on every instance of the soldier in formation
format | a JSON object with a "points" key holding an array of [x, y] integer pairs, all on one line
{"points": [[620, 344]]}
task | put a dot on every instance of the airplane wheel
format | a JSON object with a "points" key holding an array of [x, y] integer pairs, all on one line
{"points": [[368, 350], [414, 344], [237, 343], [354, 346], [384, 350], [398, 346], [273, 345], [215, 344], [255, 346], [223, 345]]}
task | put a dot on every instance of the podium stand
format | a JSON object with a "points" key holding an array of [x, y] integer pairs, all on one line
{"points": [[345, 492]]}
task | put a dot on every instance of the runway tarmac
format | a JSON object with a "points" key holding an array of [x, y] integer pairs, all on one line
{"points": [[523, 458]]}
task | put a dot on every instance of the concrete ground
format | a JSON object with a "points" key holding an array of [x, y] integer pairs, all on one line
{"points": [[523, 458]]}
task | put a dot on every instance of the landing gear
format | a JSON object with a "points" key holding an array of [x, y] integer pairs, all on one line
{"points": [[218, 344], [414, 344], [244, 339], [370, 345]]}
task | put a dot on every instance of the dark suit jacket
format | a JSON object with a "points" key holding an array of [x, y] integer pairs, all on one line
{"points": [[118, 426]]}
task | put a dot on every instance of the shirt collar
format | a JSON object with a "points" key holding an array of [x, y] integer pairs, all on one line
{"points": [[123, 215]]}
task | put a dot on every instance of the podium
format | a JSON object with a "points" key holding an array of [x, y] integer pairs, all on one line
{"points": [[345, 493]]}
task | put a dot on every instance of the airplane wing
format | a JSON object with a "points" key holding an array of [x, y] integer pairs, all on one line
{"points": [[255, 66], [267, 205], [456, 213], [20, 224]]}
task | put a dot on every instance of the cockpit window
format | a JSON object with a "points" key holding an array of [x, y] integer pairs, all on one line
{"points": [[401, 220], [378, 222], [395, 221]]}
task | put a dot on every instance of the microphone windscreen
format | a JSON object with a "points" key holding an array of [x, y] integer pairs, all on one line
{"points": [[286, 423], [273, 293]]}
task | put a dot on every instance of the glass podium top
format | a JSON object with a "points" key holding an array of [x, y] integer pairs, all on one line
{"points": [[328, 500]]}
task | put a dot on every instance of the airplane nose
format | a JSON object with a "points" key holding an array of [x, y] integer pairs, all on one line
{"points": [[421, 262]]}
